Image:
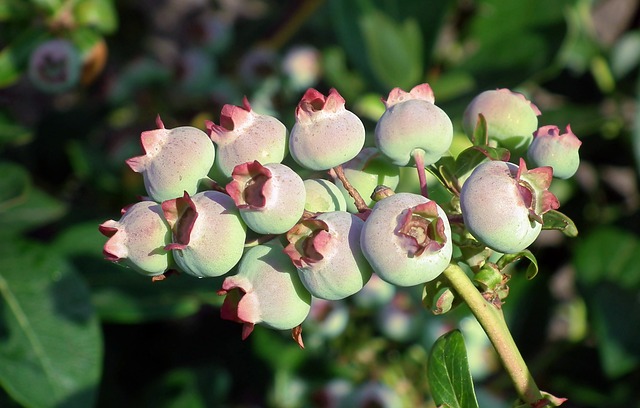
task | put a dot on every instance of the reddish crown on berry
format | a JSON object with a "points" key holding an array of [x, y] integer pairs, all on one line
{"points": [[244, 136], [175, 160], [208, 234], [138, 239], [325, 134]]}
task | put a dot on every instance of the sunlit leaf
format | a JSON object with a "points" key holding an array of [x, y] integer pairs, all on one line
{"points": [[555, 220], [532, 269], [394, 49], [448, 372], [14, 57], [50, 341], [123, 295]]}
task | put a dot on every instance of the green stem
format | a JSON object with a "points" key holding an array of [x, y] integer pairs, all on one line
{"points": [[493, 323]]}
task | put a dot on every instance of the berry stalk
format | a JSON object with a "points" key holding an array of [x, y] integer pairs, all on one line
{"points": [[492, 321], [357, 198], [418, 157]]}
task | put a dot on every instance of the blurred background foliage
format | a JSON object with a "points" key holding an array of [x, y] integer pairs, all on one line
{"points": [[77, 331]]}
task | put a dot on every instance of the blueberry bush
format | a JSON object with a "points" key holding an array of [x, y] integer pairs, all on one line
{"points": [[325, 203]]}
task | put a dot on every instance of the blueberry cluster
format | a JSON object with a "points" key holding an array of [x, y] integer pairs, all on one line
{"points": [[288, 239]]}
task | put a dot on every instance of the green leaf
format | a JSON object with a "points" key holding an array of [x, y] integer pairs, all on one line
{"points": [[480, 135], [14, 10], [608, 254], [471, 157], [507, 259], [124, 296], [14, 57], [448, 372], [278, 352], [85, 39], [625, 54], [11, 132], [555, 220], [32, 208], [394, 50], [607, 263], [48, 6], [97, 14], [615, 313], [14, 185], [50, 341]]}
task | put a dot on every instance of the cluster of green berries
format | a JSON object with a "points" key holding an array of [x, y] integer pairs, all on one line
{"points": [[285, 240]]}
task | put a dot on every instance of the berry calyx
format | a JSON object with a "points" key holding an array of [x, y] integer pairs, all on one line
{"points": [[502, 204], [326, 251], [325, 134], [407, 239], [175, 160], [270, 198], [138, 238], [244, 135], [559, 151], [208, 234]]}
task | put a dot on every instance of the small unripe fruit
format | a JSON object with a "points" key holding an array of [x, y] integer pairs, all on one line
{"points": [[266, 290], [270, 198], [55, 66], [325, 134], [410, 123], [368, 170], [559, 151], [407, 239], [208, 234], [323, 196], [244, 136], [502, 204], [175, 160], [326, 252], [511, 119], [138, 238]]}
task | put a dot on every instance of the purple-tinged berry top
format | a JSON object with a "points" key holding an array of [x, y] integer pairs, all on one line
{"points": [[560, 151], [325, 134], [413, 129], [534, 188], [244, 135], [250, 187], [419, 92], [270, 198], [422, 229], [174, 160]]}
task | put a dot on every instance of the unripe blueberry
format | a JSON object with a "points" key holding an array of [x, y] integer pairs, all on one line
{"points": [[323, 196], [55, 66], [560, 151], [327, 318], [326, 252], [407, 239], [511, 119], [401, 319], [375, 293], [372, 394], [208, 234], [138, 238], [325, 134], [244, 136], [270, 198], [302, 64], [175, 160], [412, 124], [365, 172], [266, 290], [502, 204]]}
